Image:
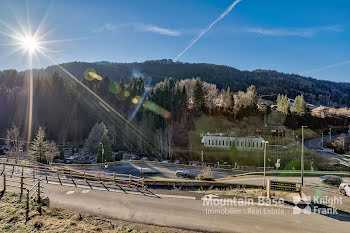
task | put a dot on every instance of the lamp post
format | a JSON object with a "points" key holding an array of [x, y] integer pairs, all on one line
{"points": [[265, 142], [302, 155], [102, 151]]}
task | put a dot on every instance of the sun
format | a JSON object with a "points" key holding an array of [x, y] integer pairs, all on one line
{"points": [[30, 43]]}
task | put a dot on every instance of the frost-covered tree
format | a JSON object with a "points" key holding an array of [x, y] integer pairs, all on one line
{"points": [[13, 141], [94, 138]]}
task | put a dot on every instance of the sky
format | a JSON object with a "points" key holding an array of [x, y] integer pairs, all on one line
{"points": [[310, 38]]}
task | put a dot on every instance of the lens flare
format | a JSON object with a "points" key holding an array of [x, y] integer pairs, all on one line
{"points": [[91, 75], [30, 44]]}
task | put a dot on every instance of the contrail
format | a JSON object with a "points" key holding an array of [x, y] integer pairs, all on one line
{"points": [[325, 68], [208, 28]]}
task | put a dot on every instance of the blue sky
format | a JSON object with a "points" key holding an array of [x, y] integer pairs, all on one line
{"points": [[305, 37]]}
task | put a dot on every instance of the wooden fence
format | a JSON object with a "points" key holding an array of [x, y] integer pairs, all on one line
{"points": [[64, 173], [33, 193]]}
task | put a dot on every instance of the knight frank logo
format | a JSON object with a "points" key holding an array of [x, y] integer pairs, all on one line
{"points": [[297, 200], [317, 205]]}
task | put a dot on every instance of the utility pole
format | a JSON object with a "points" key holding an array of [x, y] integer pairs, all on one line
{"points": [[265, 142], [302, 154]]}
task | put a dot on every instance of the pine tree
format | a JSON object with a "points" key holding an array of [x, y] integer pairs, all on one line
{"points": [[199, 95], [299, 106], [39, 149], [282, 104], [184, 97], [107, 150], [95, 137], [228, 100]]}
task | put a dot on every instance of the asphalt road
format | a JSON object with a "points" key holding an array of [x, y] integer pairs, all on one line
{"points": [[163, 170], [184, 212], [190, 214], [316, 145]]}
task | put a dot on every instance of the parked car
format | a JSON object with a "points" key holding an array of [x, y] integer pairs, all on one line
{"points": [[148, 170], [144, 158], [331, 179], [344, 188], [185, 174], [135, 157]]}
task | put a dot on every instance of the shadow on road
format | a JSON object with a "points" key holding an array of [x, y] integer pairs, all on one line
{"points": [[324, 210]]}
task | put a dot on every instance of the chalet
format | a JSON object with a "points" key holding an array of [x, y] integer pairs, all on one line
{"points": [[226, 141], [320, 111]]}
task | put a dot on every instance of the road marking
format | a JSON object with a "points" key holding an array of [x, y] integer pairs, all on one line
{"points": [[86, 191], [69, 192], [176, 196]]}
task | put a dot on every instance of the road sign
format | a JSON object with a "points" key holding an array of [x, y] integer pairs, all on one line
{"points": [[285, 186], [20, 149]]}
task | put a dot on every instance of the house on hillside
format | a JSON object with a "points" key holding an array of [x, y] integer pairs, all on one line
{"points": [[321, 111], [264, 104], [226, 141]]}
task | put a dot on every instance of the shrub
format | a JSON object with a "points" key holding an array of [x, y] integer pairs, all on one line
{"points": [[204, 177], [118, 156]]}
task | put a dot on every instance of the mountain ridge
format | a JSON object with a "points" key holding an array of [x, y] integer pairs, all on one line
{"points": [[315, 91]]}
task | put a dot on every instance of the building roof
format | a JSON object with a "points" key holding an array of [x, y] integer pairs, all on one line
{"points": [[320, 108]]}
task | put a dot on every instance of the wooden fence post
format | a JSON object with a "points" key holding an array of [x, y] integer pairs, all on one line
{"points": [[45, 174], [114, 176], [22, 169], [13, 169], [33, 172], [38, 190], [39, 198], [143, 183], [70, 173], [4, 182], [84, 175], [21, 185], [27, 206], [129, 179], [99, 176]]}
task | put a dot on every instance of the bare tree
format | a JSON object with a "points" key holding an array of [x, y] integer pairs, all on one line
{"points": [[13, 141]]}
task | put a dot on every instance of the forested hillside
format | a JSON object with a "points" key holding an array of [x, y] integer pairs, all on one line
{"points": [[318, 92], [136, 118]]}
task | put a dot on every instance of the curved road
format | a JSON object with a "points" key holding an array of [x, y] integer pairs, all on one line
{"points": [[315, 144]]}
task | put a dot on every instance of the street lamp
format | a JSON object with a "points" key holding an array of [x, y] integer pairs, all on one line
{"points": [[302, 154], [265, 142], [102, 150]]}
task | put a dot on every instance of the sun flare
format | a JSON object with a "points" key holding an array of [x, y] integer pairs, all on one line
{"points": [[30, 44]]}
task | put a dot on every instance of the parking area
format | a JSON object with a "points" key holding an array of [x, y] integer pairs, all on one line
{"points": [[165, 171]]}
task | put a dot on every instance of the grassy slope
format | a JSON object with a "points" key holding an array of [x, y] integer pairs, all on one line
{"points": [[12, 219]]}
